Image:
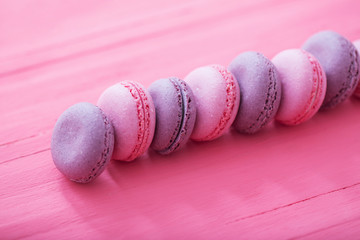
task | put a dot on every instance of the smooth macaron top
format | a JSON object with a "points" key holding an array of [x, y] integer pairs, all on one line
{"points": [[175, 114], [131, 110], [340, 61], [260, 91], [217, 97], [303, 85], [82, 142]]}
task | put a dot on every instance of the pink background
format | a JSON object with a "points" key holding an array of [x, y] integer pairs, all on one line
{"points": [[285, 182]]}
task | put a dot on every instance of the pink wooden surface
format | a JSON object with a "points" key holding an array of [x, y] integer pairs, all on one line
{"points": [[284, 183]]}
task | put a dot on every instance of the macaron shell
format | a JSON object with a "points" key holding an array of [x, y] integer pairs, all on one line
{"points": [[260, 91], [340, 61], [175, 114], [82, 142], [318, 91], [131, 111], [168, 107], [357, 90], [303, 86], [217, 97]]}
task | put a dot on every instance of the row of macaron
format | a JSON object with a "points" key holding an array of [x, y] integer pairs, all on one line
{"points": [[248, 94]]}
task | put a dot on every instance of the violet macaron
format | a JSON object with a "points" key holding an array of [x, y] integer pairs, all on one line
{"points": [[217, 98], [131, 111], [357, 90], [303, 82], [260, 91], [340, 61], [82, 142], [175, 114]]}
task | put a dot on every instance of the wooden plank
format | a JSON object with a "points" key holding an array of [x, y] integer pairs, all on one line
{"points": [[284, 182]]}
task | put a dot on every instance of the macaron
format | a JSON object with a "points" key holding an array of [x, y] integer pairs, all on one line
{"points": [[260, 91], [340, 61], [82, 142], [175, 114], [357, 90], [132, 113], [217, 98], [303, 82]]}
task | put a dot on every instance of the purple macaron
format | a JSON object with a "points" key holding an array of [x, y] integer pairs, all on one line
{"points": [[357, 90], [260, 91], [175, 114], [82, 142], [340, 60]]}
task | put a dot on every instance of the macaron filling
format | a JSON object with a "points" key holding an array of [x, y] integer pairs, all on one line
{"points": [[180, 130], [175, 114], [143, 113], [180, 121]]}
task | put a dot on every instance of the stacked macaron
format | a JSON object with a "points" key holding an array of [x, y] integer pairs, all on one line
{"points": [[248, 94]]}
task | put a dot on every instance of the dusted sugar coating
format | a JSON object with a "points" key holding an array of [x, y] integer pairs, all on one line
{"points": [[260, 91], [303, 82], [217, 97], [357, 90], [82, 142], [131, 111], [175, 114], [340, 61]]}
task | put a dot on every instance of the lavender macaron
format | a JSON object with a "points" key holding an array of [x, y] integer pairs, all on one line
{"points": [[82, 142], [260, 91], [340, 61], [175, 114]]}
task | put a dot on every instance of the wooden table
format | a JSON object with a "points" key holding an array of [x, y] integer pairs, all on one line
{"points": [[283, 183]]}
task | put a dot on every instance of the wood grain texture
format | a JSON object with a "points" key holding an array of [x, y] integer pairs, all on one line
{"points": [[284, 183]]}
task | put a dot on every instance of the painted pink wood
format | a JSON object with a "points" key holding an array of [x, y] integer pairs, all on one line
{"points": [[284, 183]]}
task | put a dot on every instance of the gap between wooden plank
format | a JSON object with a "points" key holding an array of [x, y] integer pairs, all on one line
{"points": [[26, 155], [252, 215], [293, 203]]}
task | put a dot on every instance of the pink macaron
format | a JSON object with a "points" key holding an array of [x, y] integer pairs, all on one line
{"points": [[303, 83], [131, 110], [217, 98]]}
